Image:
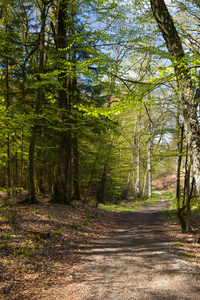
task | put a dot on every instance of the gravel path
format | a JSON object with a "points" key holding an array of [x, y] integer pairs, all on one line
{"points": [[136, 261]]}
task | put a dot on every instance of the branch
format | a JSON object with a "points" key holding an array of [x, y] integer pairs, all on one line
{"points": [[129, 80], [54, 34]]}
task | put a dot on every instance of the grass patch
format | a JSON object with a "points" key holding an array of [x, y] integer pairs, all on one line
{"points": [[195, 206], [171, 210], [133, 205]]}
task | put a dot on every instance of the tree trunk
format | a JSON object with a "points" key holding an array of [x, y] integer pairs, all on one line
{"points": [[132, 161], [92, 174], [76, 193], [145, 183], [185, 87], [40, 172], [62, 188], [148, 178], [180, 210], [178, 159], [8, 181], [100, 195], [137, 183], [16, 173], [149, 173], [75, 150], [40, 96], [178, 165], [186, 189], [21, 163], [188, 210]]}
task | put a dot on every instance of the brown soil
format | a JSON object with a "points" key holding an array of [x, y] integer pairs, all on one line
{"points": [[83, 253]]}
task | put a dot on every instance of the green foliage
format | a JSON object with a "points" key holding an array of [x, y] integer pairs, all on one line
{"points": [[3, 208], [26, 251], [74, 226]]}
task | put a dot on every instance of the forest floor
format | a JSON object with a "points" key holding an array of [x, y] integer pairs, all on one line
{"points": [[84, 253]]}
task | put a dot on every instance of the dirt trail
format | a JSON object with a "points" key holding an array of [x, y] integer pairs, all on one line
{"points": [[134, 262]]}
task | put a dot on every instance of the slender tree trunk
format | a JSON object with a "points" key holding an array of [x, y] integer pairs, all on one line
{"points": [[76, 194], [8, 181], [188, 209], [8, 177], [13, 173], [178, 164], [100, 195], [40, 96], [21, 163], [185, 86], [137, 183], [178, 169], [148, 178], [40, 172], [132, 161], [145, 183], [186, 189], [189, 186], [149, 169], [75, 150], [16, 173], [180, 210], [91, 176]]}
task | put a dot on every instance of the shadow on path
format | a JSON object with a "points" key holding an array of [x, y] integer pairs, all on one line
{"points": [[136, 261]]}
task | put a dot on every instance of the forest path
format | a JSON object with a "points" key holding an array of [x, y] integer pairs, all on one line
{"points": [[136, 261]]}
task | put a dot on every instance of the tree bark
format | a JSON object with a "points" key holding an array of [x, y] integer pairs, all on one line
{"points": [[188, 209], [149, 168], [91, 175], [100, 194], [178, 165], [125, 194], [8, 183], [137, 182], [148, 178], [62, 188], [180, 209], [76, 192], [21, 163], [185, 87], [40, 96]]}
